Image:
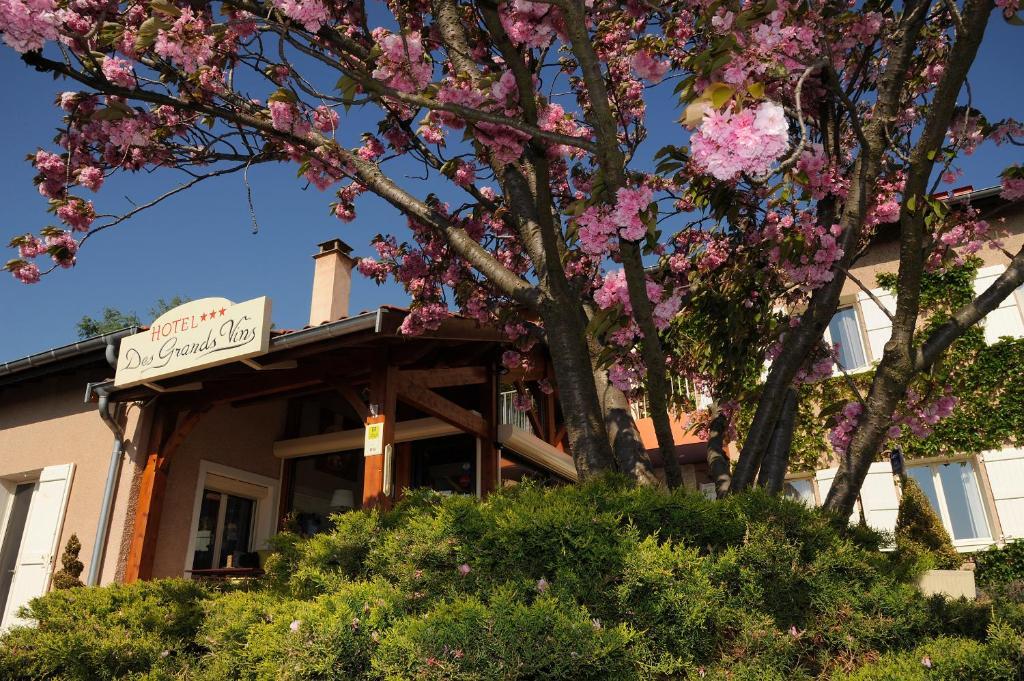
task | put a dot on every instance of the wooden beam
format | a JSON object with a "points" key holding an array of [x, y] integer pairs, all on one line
{"points": [[445, 377], [429, 401], [166, 438]]}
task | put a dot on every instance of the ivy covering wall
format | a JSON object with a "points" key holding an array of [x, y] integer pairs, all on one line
{"points": [[988, 381]]}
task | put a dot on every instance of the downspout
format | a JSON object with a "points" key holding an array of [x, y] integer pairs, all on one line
{"points": [[113, 473]]}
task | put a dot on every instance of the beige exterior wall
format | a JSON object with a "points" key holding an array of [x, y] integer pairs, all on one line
{"points": [[46, 423], [884, 258], [242, 438]]}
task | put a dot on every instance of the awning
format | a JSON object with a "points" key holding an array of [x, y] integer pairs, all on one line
{"points": [[531, 447]]}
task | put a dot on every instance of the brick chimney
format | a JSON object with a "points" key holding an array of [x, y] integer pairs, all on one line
{"points": [[332, 282]]}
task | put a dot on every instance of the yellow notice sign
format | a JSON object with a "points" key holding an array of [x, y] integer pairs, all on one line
{"points": [[374, 442]]}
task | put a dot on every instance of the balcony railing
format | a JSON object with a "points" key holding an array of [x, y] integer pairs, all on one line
{"points": [[682, 387], [512, 416]]}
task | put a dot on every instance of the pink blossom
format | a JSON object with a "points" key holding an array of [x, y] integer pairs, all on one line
{"points": [[647, 67], [542, 585], [77, 214], [312, 14], [325, 119], [188, 43], [465, 174], [510, 359], [522, 402], [27, 273], [727, 144], [424, 318], [1013, 188], [1009, 7], [119, 72], [294, 626], [464, 569], [629, 204], [28, 24], [371, 150], [90, 177]]}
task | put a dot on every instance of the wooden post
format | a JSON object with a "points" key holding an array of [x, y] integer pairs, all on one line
{"points": [[488, 448], [165, 439], [383, 394]]}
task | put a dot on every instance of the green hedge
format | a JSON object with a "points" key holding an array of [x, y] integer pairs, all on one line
{"points": [[595, 581]]}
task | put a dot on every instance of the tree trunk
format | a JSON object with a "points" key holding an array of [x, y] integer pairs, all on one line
{"points": [[776, 460], [630, 454], [581, 409], [718, 461]]}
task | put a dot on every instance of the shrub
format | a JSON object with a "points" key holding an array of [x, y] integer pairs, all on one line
{"points": [[595, 581], [1000, 564], [112, 632], [920, 535], [505, 639], [71, 567]]}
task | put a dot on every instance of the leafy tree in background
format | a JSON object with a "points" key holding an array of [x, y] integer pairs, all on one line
{"points": [[808, 125], [115, 320]]}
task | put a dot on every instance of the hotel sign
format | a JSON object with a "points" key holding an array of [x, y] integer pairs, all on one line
{"points": [[201, 333]]}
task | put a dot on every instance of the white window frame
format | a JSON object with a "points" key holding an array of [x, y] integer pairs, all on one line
{"points": [[264, 514], [864, 345], [809, 477], [960, 544]]}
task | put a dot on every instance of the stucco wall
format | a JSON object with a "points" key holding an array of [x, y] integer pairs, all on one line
{"points": [[242, 438], [884, 258], [47, 423]]}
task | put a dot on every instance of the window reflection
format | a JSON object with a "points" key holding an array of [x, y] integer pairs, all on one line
{"points": [[323, 485]]}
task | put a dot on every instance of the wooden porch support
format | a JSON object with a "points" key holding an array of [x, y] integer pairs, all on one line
{"points": [[164, 441], [382, 393], [488, 445]]}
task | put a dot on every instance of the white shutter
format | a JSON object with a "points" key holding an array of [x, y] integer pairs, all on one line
{"points": [[824, 478], [878, 497], [40, 541], [1005, 470], [876, 322], [1006, 319]]}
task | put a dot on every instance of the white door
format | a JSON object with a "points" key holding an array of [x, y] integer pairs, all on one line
{"points": [[39, 544], [1005, 470]]}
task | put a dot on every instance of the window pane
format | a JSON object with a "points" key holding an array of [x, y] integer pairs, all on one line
{"points": [[963, 499], [206, 532], [445, 464], [800, 490], [515, 469], [237, 527], [322, 485], [845, 332], [922, 475]]}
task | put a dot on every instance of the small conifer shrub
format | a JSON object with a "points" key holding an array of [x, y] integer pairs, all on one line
{"points": [[920, 533], [67, 576]]}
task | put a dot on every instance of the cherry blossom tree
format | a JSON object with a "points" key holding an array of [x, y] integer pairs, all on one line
{"points": [[804, 126]]}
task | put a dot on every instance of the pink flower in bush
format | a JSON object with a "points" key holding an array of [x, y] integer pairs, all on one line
{"points": [[464, 569]]}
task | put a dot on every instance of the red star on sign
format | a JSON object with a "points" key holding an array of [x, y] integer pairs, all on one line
{"points": [[222, 312], [213, 314], [202, 317]]}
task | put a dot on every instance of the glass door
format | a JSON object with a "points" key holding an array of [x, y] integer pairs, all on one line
{"points": [[224, 530], [12, 539]]}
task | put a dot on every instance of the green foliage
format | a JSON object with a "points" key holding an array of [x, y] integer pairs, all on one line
{"points": [[113, 632], [920, 535], [110, 320], [1000, 565], [949, 659], [595, 581], [71, 567], [113, 319]]}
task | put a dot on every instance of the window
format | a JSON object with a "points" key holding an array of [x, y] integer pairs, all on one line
{"points": [[515, 469], [233, 515], [323, 485], [800, 489], [954, 493], [445, 464], [224, 535], [844, 332]]}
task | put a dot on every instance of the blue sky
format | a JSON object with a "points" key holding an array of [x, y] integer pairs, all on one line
{"points": [[200, 243]]}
